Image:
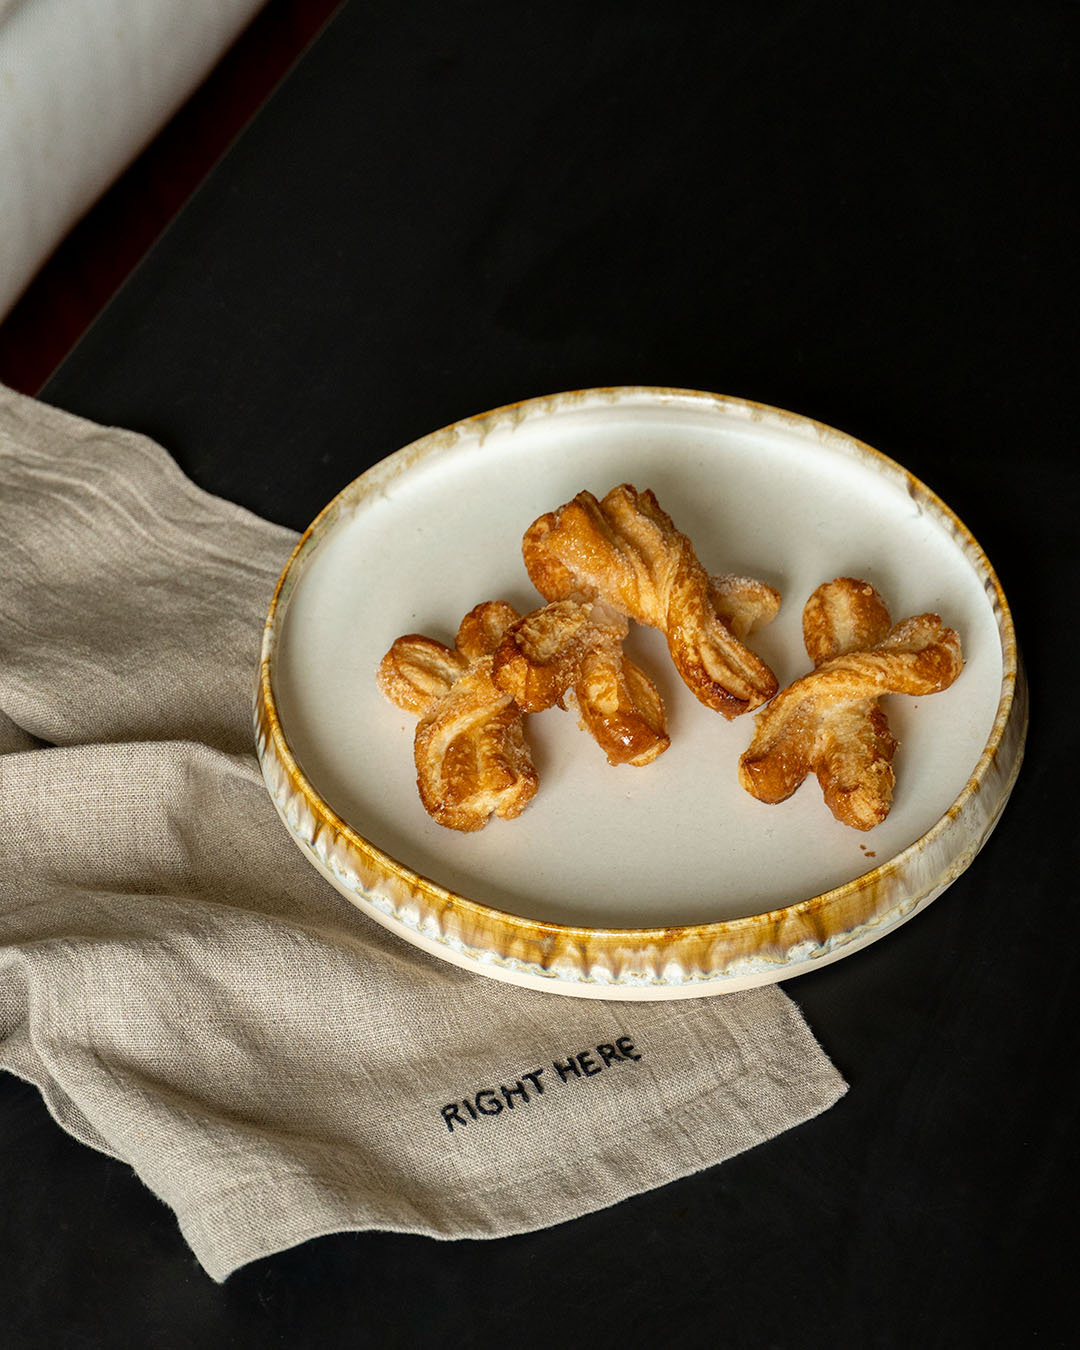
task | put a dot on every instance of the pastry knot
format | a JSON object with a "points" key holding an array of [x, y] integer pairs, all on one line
{"points": [[472, 758], [624, 549], [830, 722], [571, 651]]}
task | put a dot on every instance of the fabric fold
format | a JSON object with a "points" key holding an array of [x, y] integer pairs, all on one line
{"points": [[191, 997]]}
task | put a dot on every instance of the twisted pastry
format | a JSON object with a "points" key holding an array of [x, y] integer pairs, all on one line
{"points": [[472, 759], [829, 721], [573, 649], [626, 551]]}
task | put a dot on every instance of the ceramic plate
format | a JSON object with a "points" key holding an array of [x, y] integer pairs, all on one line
{"points": [[666, 881]]}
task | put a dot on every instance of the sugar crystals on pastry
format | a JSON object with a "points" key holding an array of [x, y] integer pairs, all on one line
{"points": [[625, 550]]}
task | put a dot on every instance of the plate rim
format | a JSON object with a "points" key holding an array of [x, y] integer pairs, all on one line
{"points": [[669, 960]]}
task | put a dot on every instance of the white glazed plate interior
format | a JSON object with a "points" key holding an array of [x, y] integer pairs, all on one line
{"points": [[420, 539]]}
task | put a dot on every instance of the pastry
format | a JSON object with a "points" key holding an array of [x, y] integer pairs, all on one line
{"points": [[472, 758], [626, 551], [572, 651], [829, 721]]}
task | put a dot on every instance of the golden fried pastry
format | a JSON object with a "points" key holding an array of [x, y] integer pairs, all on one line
{"points": [[472, 759], [830, 721], [538, 656], [572, 649], [618, 704], [626, 551], [743, 603]]}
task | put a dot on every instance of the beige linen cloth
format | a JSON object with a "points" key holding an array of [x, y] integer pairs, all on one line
{"points": [[192, 998]]}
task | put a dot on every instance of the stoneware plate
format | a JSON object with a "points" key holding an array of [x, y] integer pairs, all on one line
{"points": [[666, 881]]}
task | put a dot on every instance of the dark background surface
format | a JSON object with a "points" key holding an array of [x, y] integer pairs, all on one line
{"points": [[860, 215]]}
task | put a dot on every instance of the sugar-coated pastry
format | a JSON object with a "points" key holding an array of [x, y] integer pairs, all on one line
{"points": [[626, 551], [472, 758], [572, 651], [829, 721]]}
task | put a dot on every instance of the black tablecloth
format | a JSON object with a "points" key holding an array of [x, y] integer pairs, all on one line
{"points": [[860, 214]]}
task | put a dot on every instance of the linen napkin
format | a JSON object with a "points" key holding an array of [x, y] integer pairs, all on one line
{"points": [[192, 998]]}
